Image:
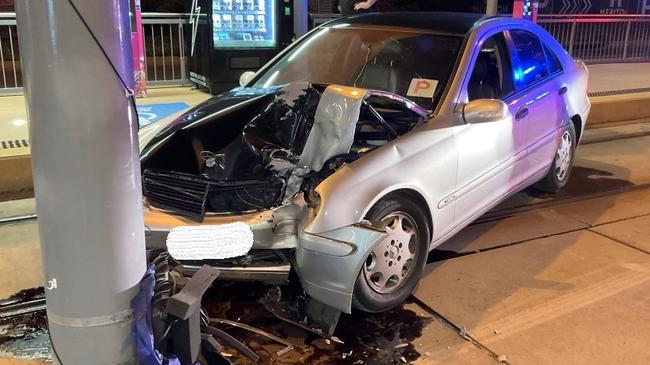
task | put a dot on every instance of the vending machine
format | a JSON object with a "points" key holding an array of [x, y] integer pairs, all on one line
{"points": [[230, 37]]}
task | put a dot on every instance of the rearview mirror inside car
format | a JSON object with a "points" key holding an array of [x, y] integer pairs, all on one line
{"points": [[484, 111]]}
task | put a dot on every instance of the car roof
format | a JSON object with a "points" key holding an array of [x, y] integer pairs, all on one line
{"points": [[443, 22]]}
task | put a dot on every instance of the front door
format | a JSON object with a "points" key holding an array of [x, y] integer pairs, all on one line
{"points": [[491, 155]]}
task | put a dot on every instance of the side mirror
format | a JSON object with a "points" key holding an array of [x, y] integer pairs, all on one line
{"points": [[485, 111], [245, 78]]}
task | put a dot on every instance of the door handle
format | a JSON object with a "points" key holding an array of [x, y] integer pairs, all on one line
{"points": [[563, 90], [521, 114]]}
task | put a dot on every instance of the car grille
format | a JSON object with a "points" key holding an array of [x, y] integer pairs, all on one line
{"points": [[192, 196], [184, 194]]}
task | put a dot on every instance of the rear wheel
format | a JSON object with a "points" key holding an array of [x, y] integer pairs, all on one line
{"points": [[394, 267], [558, 175]]}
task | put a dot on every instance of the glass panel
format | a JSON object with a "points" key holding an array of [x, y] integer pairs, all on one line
{"points": [[554, 64], [243, 23], [492, 76], [531, 56], [380, 58]]}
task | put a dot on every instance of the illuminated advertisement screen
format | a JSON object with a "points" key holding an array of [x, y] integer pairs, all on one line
{"points": [[243, 23]]}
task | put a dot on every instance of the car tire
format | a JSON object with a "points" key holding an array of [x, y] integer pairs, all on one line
{"points": [[558, 175], [404, 218]]}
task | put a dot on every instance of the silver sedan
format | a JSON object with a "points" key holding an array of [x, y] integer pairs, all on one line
{"points": [[360, 148]]}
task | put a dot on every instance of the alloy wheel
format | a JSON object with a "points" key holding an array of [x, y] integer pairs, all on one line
{"points": [[393, 260], [563, 156]]}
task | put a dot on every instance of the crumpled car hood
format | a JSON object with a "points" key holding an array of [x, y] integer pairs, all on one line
{"points": [[254, 136]]}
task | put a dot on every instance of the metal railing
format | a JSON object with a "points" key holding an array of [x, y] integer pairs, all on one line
{"points": [[592, 38], [602, 38], [10, 75], [166, 53]]}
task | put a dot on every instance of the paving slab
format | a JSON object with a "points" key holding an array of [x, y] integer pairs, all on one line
{"points": [[17, 208], [625, 160], [22, 362], [20, 261], [614, 330], [441, 344], [618, 76], [635, 232], [606, 133], [608, 209], [517, 228], [507, 298]]}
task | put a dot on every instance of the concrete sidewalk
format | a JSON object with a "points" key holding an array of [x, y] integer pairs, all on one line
{"points": [[619, 76], [578, 295]]}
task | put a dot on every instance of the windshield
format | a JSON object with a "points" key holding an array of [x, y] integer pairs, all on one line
{"points": [[411, 63]]}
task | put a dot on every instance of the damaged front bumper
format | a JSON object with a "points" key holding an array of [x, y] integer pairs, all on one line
{"points": [[327, 263]]}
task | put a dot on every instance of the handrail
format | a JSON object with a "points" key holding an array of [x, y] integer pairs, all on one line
{"points": [[168, 15], [543, 16], [11, 15]]}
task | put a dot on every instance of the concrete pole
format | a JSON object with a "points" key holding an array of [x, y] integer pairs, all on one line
{"points": [[492, 7], [86, 172]]}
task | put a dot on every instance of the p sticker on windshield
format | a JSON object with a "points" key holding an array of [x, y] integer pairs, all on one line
{"points": [[422, 88]]}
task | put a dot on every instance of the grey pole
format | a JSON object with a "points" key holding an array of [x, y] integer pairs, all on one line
{"points": [[86, 173], [491, 7]]}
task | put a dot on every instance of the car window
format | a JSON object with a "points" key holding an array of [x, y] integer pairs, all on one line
{"points": [[554, 64], [492, 74], [393, 59], [531, 56]]}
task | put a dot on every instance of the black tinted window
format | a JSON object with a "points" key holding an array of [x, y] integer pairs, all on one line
{"points": [[531, 56], [492, 73], [554, 64]]}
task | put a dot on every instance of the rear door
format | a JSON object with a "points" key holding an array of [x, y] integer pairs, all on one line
{"points": [[537, 71]]}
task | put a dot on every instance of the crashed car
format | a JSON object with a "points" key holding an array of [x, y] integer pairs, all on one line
{"points": [[363, 146]]}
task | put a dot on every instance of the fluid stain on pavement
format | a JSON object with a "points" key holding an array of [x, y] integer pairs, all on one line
{"points": [[25, 336], [369, 339]]}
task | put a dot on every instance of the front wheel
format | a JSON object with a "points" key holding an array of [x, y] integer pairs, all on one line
{"points": [[558, 175], [394, 267]]}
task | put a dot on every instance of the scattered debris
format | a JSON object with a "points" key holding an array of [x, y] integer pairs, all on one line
{"points": [[502, 358], [497, 332], [463, 333], [288, 345]]}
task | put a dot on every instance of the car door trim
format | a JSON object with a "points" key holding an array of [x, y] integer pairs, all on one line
{"points": [[543, 141], [458, 227], [480, 180]]}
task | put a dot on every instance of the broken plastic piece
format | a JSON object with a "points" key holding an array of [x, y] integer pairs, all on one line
{"points": [[289, 345]]}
